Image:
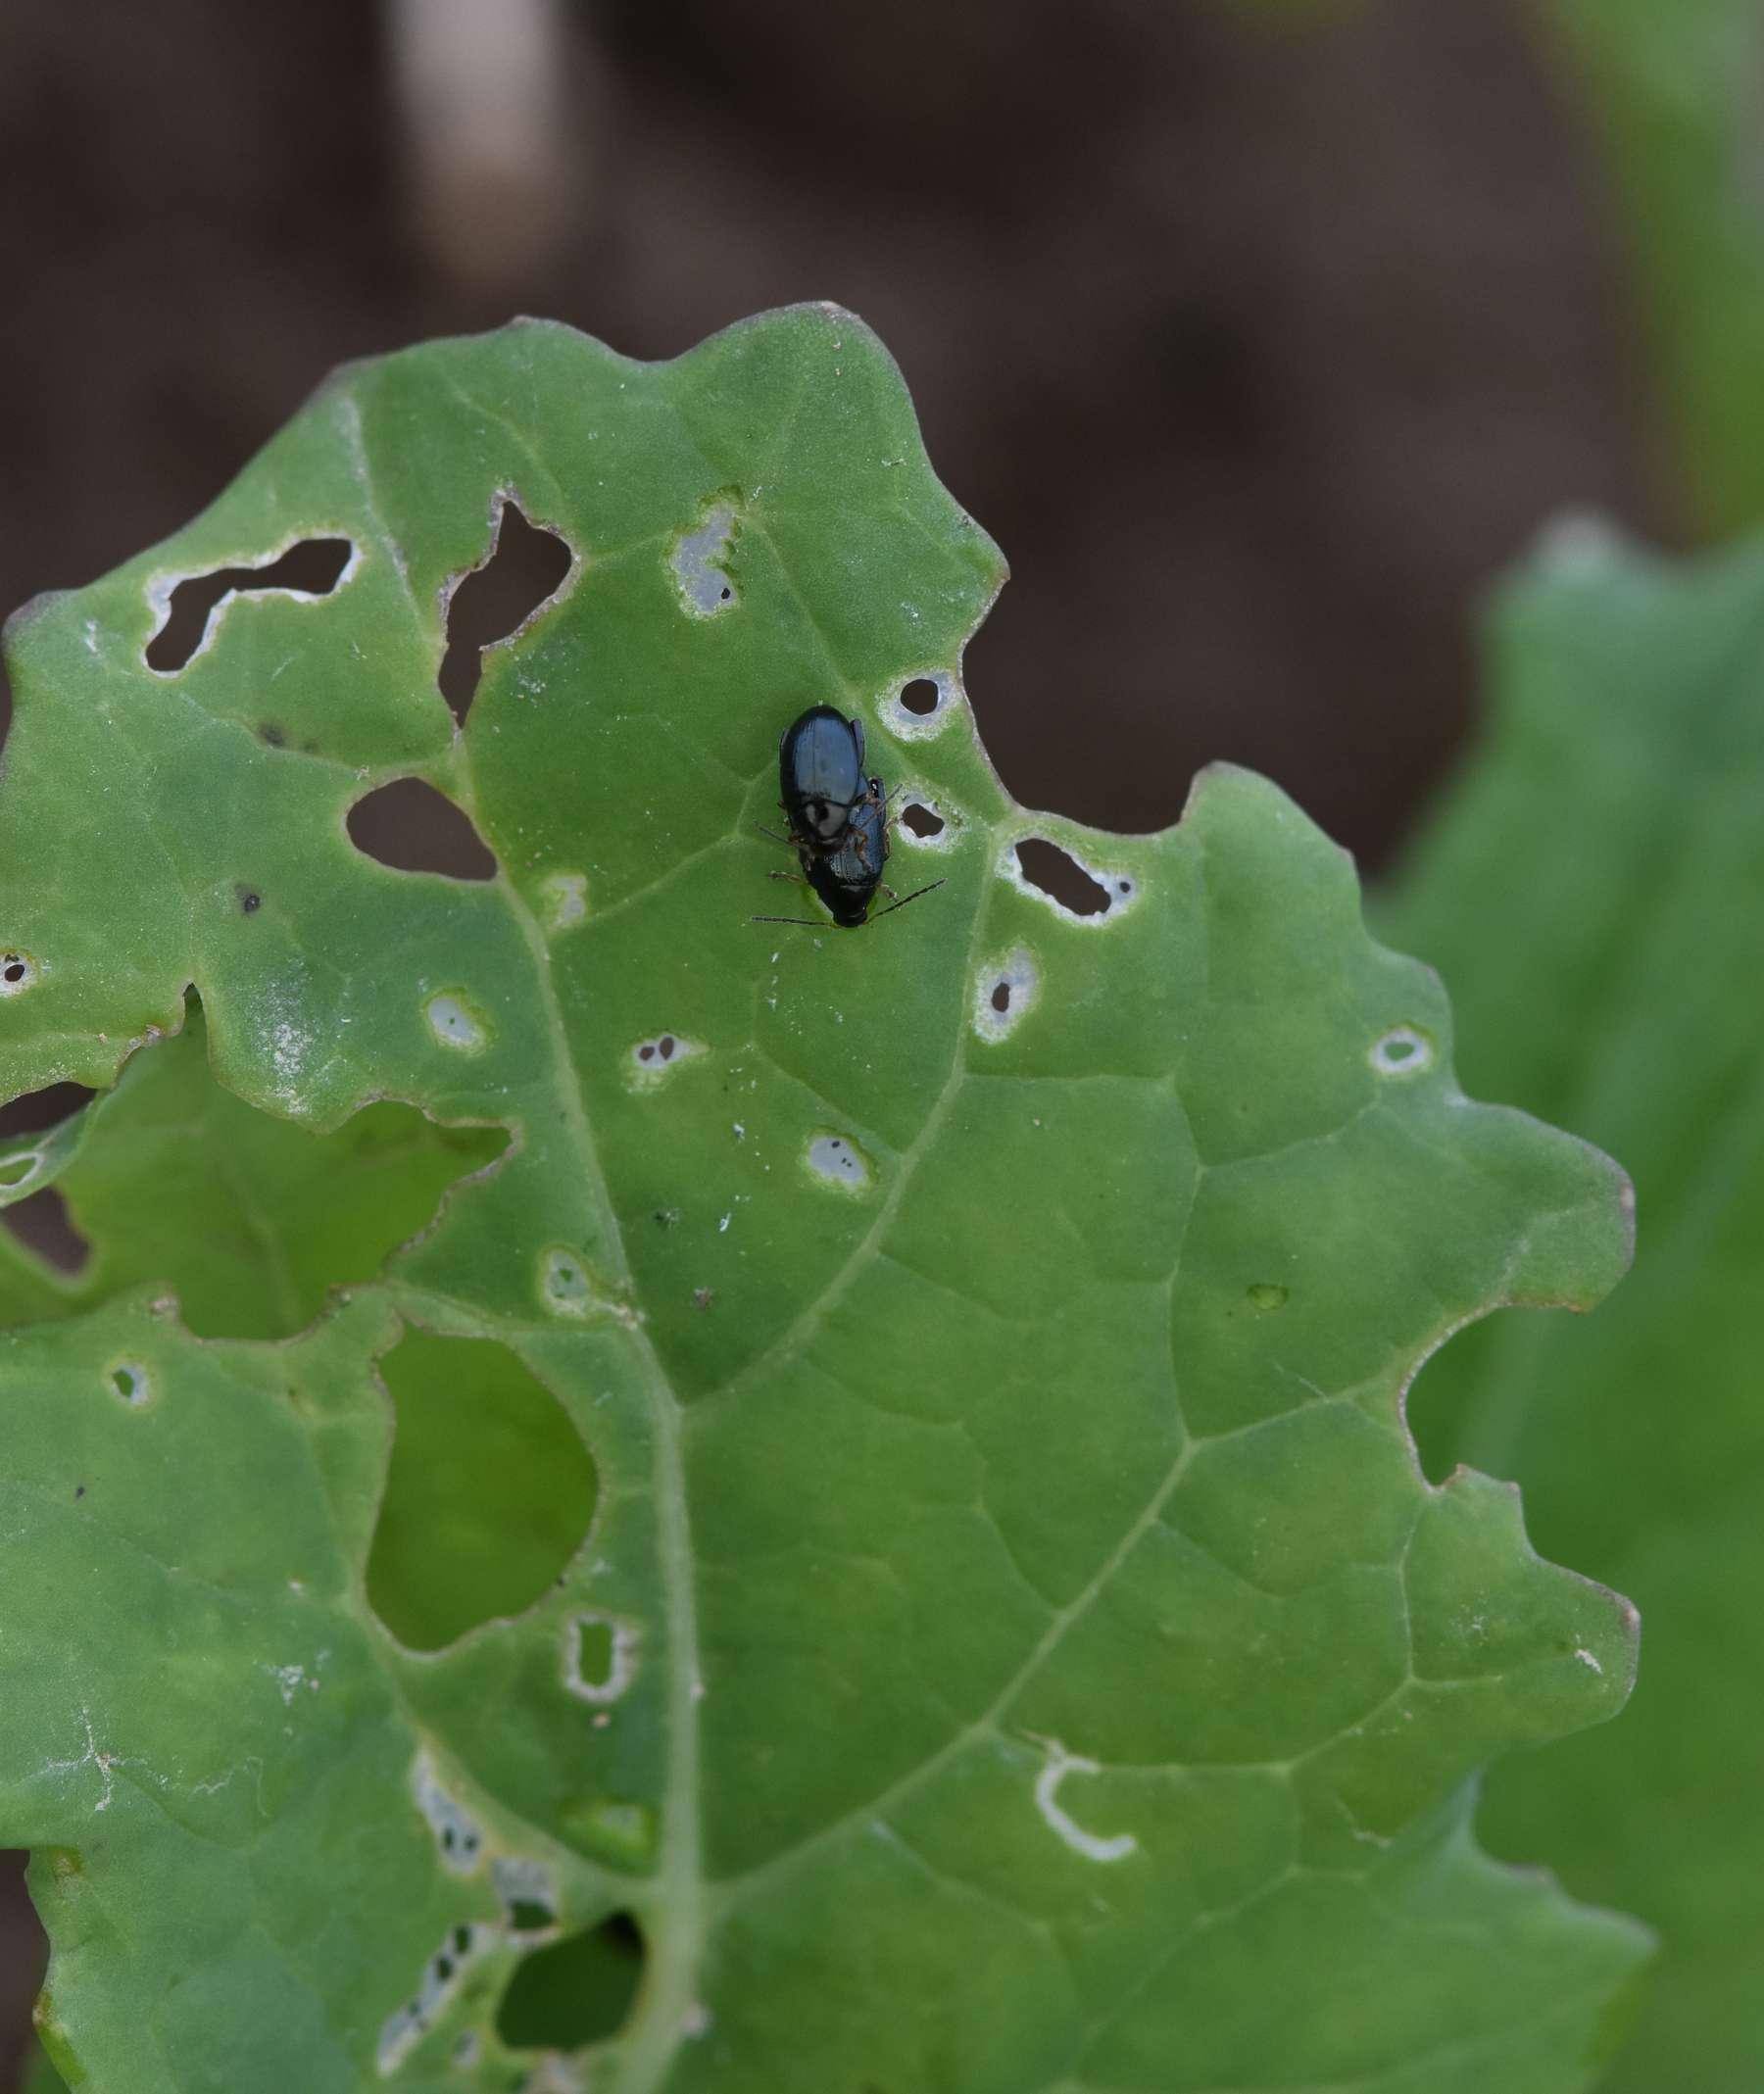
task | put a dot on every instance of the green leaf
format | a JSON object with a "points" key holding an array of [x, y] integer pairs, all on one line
{"points": [[983, 1627], [1594, 888], [1670, 89]]}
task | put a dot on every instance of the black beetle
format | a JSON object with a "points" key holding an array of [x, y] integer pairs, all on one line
{"points": [[838, 818]]}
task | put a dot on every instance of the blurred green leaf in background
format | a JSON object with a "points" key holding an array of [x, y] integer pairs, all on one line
{"points": [[1673, 94], [1594, 891]]}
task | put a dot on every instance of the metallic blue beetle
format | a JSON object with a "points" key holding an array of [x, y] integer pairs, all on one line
{"points": [[837, 817]]}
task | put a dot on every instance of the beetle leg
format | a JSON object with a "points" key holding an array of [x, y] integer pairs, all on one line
{"points": [[902, 904], [795, 879], [798, 844]]}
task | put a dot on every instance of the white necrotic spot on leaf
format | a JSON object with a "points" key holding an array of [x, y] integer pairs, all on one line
{"points": [[131, 1380], [454, 1023], [455, 1831], [564, 896], [1403, 1051], [564, 1283], [441, 1975], [920, 708], [600, 1656], [653, 1060], [1004, 992], [1094, 1846], [697, 562], [528, 1891], [837, 1161], [1587, 1658], [18, 973]]}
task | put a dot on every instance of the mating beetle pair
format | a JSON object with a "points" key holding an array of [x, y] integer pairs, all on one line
{"points": [[838, 819]]}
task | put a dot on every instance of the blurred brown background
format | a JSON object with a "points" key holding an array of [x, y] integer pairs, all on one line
{"points": [[1259, 337]]}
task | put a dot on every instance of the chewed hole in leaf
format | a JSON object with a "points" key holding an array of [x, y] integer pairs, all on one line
{"points": [[37, 1111], [921, 821], [697, 561], [311, 569], [208, 1174], [920, 709], [17, 971], [527, 564], [488, 1495], [1005, 994], [528, 1891], [576, 1991], [131, 1382], [413, 827], [42, 1224], [1404, 1050], [1059, 875]]}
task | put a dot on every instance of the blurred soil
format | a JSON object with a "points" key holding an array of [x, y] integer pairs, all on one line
{"points": [[1259, 349]]}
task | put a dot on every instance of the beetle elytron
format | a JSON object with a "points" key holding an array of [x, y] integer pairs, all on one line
{"points": [[838, 819]]}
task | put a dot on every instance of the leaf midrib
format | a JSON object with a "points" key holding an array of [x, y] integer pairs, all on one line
{"points": [[674, 1897]]}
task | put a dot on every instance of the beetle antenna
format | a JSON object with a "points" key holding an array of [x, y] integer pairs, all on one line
{"points": [[902, 904], [808, 922]]}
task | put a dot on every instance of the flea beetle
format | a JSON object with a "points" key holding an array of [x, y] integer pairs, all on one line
{"points": [[836, 817]]}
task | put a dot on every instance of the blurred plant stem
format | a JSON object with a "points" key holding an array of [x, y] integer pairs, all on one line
{"points": [[489, 122]]}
